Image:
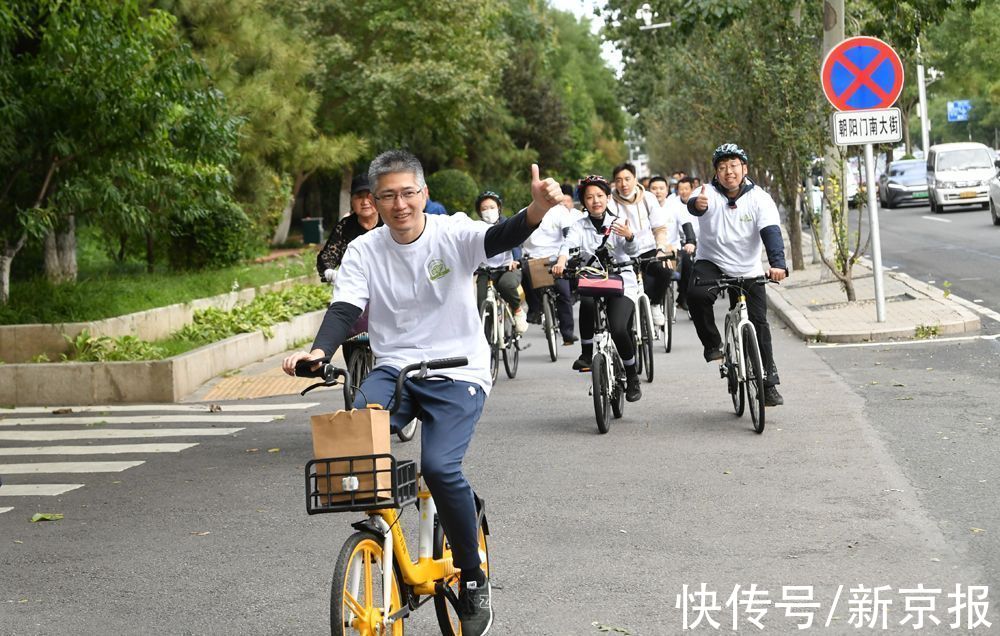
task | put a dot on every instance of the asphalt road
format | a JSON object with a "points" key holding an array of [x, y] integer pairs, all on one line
{"points": [[957, 250], [851, 484]]}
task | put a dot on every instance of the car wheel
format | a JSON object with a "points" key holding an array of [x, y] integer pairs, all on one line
{"points": [[935, 208], [993, 213]]}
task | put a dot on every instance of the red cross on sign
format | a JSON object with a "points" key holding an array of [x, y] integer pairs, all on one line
{"points": [[862, 73]]}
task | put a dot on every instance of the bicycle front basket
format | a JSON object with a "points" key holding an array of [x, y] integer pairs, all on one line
{"points": [[596, 286]]}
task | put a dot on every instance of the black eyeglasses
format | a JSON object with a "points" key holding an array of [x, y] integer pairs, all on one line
{"points": [[407, 196]]}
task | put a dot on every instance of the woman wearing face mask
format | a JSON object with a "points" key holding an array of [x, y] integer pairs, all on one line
{"points": [[601, 230], [489, 206]]}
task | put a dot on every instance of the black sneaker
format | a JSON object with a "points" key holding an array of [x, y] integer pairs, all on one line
{"points": [[569, 340], [713, 353], [475, 608], [772, 397], [535, 317], [582, 363], [632, 390]]}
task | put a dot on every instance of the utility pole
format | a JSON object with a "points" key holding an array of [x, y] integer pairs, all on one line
{"points": [[833, 34], [925, 128]]}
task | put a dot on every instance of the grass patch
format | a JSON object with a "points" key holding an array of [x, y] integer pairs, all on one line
{"points": [[105, 293], [924, 332], [209, 325]]}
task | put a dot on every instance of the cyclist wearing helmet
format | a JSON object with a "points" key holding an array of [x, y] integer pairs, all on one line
{"points": [[631, 201], [736, 218], [599, 231], [489, 207]]}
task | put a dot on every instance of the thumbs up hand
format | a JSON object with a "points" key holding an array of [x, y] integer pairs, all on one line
{"points": [[701, 203], [545, 194]]}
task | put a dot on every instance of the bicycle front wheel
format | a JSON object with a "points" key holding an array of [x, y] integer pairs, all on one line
{"points": [[356, 594], [489, 316], [448, 619], [646, 340], [510, 349], [550, 327], [601, 391], [670, 312], [359, 367], [754, 381], [731, 364]]}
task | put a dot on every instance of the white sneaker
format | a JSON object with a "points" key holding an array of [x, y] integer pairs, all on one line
{"points": [[520, 322], [657, 315]]}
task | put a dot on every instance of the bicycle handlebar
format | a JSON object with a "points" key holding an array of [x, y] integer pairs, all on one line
{"points": [[331, 373], [733, 281], [492, 270]]}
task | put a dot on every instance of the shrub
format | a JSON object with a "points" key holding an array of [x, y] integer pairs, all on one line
{"points": [[217, 238], [454, 189]]}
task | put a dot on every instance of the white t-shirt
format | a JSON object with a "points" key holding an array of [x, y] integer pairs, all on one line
{"points": [[680, 211], [583, 235], [545, 240], [642, 217], [730, 237], [666, 216], [420, 297]]}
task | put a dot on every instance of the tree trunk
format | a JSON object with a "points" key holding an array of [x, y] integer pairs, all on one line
{"points": [[795, 223], [66, 248], [345, 192], [281, 232], [60, 253], [150, 253]]}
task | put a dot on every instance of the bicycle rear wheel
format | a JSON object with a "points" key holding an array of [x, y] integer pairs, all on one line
{"points": [[549, 326], [448, 619], [510, 349], [601, 391], [646, 339], [488, 315], [356, 591], [754, 378]]}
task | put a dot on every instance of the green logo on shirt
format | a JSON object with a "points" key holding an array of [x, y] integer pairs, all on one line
{"points": [[437, 269], [746, 218]]}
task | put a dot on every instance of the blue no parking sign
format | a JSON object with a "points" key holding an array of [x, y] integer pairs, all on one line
{"points": [[862, 73]]}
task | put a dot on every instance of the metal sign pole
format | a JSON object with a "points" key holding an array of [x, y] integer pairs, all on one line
{"points": [[873, 225]]}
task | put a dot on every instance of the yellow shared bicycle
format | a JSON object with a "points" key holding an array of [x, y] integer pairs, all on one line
{"points": [[377, 581]]}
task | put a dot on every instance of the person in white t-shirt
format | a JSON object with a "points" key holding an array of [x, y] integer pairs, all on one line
{"points": [[736, 219], [415, 275], [677, 203], [489, 207], [600, 231], [631, 201], [544, 242]]}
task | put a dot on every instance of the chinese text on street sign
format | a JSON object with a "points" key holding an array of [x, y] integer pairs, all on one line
{"points": [[856, 127]]}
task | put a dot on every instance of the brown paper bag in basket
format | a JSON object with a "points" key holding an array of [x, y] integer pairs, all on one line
{"points": [[539, 274], [351, 433]]}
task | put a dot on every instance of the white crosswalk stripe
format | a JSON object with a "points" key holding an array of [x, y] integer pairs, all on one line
{"points": [[106, 449], [170, 408], [42, 468], [137, 419], [99, 429]]}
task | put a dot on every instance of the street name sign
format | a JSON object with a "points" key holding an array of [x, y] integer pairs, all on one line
{"points": [[862, 73], [857, 127], [958, 110]]}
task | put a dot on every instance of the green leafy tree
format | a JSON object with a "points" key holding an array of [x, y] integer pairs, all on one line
{"points": [[91, 93], [267, 70]]}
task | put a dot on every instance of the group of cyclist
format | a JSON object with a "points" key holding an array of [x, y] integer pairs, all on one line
{"points": [[412, 272]]}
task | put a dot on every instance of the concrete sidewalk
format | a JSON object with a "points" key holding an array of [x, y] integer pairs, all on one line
{"points": [[815, 306]]}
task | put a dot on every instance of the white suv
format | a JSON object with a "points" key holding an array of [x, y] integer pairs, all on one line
{"points": [[959, 174]]}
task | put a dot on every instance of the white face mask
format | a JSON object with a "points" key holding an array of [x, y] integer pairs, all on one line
{"points": [[490, 215]]}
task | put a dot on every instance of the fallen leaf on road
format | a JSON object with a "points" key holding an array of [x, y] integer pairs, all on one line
{"points": [[214, 408], [898, 384], [273, 450], [46, 516], [23, 600], [609, 628], [201, 534], [253, 450], [62, 411], [18, 541], [277, 418], [623, 531], [904, 398], [726, 472], [977, 530], [935, 560]]}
